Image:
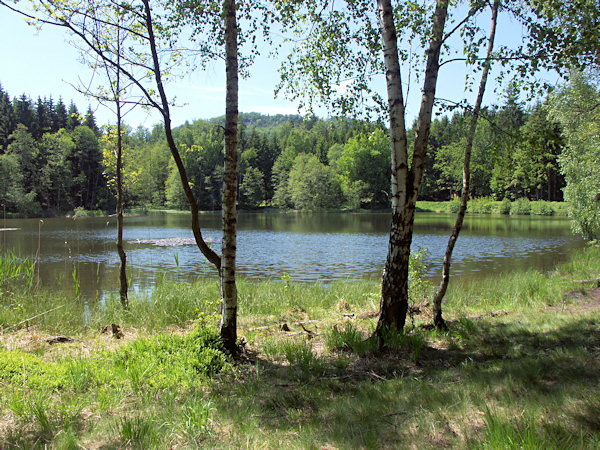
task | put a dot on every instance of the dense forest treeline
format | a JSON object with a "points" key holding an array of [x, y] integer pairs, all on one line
{"points": [[53, 160]]}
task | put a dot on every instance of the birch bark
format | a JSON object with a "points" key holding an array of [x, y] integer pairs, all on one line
{"points": [[228, 327], [405, 182]]}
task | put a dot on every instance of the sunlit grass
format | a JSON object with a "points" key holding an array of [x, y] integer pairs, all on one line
{"points": [[521, 379]]}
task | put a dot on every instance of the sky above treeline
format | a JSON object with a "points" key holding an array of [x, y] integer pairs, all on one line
{"points": [[46, 63]]}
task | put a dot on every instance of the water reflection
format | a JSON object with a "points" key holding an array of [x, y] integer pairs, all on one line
{"points": [[306, 246]]}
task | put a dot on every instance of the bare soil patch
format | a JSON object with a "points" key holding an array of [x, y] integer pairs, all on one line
{"points": [[585, 300]]}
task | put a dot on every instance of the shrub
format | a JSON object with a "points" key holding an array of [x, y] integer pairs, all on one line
{"points": [[483, 205], [541, 208], [505, 206], [169, 360], [454, 205], [521, 206]]}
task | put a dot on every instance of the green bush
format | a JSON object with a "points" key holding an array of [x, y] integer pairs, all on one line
{"points": [[454, 205], [505, 206], [521, 206], [171, 360], [541, 208], [483, 205]]}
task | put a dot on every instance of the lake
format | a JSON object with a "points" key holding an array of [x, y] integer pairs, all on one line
{"points": [[305, 246]]}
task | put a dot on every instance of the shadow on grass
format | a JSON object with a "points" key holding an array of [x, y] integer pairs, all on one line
{"points": [[438, 400]]}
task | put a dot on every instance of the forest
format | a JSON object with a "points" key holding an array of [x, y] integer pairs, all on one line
{"points": [[285, 161]]}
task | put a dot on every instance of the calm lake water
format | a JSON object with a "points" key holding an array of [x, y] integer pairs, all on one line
{"points": [[306, 247]]}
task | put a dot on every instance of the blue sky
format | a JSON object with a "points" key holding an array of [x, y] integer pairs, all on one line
{"points": [[43, 63]]}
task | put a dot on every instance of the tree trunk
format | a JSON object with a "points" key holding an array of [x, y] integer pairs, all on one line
{"points": [[228, 327], [438, 320], [208, 253], [405, 182], [122, 256]]}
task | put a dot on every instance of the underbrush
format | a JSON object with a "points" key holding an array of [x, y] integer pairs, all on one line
{"points": [[50, 401]]}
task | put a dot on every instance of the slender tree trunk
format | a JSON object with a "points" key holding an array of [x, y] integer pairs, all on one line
{"points": [[208, 253], [405, 183], [122, 256], [228, 327], [438, 320]]}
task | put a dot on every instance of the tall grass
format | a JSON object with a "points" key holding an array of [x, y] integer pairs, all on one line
{"points": [[16, 270]]}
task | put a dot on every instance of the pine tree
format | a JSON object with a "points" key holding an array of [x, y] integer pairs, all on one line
{"points": [[24, 113], [60, 116], [42, 121], [7, 120], [73, 117], [90, 121]]}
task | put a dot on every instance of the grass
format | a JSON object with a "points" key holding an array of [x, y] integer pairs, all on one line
{"points": [[522, 377]]}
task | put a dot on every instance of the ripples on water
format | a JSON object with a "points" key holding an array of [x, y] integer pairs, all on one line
{"points": [[308, 247]]}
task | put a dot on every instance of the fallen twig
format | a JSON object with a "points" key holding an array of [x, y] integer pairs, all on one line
{"points": [[305, 322], [377, 377], [398, 413], [34, 317], [589, 280]]}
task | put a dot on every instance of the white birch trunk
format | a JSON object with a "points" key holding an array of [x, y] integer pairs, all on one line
{"points": [[405, 182], [228, 326]]}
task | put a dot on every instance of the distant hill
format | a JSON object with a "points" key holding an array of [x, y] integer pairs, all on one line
{"points": [[258, 120]]}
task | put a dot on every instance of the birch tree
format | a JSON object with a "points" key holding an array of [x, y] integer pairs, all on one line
{"points": [[151, 59], [339, 54], [438, 320]]}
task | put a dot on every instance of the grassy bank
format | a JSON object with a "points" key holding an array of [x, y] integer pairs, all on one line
{"points": [[519, 367], [486, 205]]}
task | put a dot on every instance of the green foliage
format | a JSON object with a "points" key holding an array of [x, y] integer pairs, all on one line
{"points": [[15, 270], [161, 362], [364, 164], [297, 353], [575, 107], [252, 189], [170, 360], [454, 205], [398, 340], [521, 206], [526, 433], [482, 205], [137, 432], [515, 155], [541, 208], [419, 287], [313, 185], [504, 206]]}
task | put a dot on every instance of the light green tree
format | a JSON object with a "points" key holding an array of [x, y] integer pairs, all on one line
{"points": [[252, 189], [313, 185], [365, 162], [575, 106]]}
